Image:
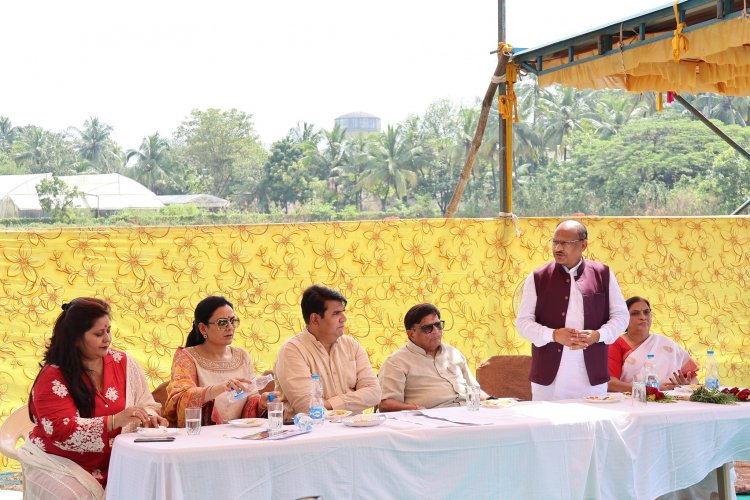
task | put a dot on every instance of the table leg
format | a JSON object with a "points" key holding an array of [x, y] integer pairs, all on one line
{"points": [[724, 479]]}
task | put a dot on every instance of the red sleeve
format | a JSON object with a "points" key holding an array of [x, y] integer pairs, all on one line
{"points": [[615, 358]]}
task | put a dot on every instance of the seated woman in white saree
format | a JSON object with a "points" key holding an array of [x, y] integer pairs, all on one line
{"points": [[209, 366], [85, 395], [674, 366]]}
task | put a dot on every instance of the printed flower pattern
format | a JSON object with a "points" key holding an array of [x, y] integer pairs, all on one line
{"points": [[695, 272]]}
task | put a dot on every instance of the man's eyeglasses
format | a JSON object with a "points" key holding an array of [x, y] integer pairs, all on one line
{"points": [[223, 323], [564, 243], [440, 325]]}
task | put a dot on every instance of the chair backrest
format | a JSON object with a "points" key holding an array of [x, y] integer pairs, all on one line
{"points": [[16, 426], [506, 376], [160, 394]]}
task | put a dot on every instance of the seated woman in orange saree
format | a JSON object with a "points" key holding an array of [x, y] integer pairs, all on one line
{"points": [[208, 367]]}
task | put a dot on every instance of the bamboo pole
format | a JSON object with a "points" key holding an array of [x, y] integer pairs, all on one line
{"points": [[477, 140]]}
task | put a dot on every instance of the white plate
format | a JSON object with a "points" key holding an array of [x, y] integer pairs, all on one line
{"points": [[248, 422], [499, 403], [334, 414], [609, 398], [365, 420], [157, 431]]}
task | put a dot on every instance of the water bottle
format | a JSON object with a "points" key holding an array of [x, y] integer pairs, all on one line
{"points": [[317, 409], [303, 422], [262, 380], [649, 373], [712, 371], [234, 395]]}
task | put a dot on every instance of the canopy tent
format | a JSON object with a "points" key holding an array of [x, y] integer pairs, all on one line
{"points": [[690, 46]]}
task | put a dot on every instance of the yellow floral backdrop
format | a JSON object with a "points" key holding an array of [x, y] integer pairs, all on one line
{"points": [[695, 271]]}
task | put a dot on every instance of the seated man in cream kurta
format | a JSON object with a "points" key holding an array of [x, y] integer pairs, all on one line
{"points": [[425, 373], [349, 383]]}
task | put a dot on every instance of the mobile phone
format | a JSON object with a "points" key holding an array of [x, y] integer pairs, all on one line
{"points": [[154, 439]]}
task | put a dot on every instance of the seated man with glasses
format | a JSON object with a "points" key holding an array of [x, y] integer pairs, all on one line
{"points": [[425, 373], [571, 310]]}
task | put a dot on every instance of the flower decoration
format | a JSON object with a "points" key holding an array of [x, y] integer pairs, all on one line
{"points": [[654, 394]]}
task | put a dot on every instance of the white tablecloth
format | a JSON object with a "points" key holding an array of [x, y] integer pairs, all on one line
{"points": [[567, 450]]}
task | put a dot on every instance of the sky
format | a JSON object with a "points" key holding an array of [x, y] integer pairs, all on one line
{"points": [[141, 66]]}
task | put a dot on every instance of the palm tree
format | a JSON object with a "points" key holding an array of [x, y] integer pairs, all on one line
{"points": [[730, 110], [151, 161], [304, 134], [93, 142], [34, 141], [330, 163], [616, 109], [564, 110], [393, 158], [7, 134]]}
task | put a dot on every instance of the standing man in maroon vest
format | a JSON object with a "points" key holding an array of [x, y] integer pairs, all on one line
{"points": [[570, 310]]}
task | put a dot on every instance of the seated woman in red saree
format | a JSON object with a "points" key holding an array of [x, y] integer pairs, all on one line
{"points": [[209, 366], [85, 395], [674, 366]]}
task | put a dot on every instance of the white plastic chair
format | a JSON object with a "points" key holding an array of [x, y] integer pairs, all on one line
{"points": [[17, 426]]}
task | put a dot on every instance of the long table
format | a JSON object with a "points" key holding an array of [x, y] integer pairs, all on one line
{"points": [[566, 450]]}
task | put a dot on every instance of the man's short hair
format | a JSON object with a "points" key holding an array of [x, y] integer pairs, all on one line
{"points": [[314, 300], [583, 233], [417, 313]]}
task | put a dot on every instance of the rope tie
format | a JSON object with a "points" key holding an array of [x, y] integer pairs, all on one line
{"points": [[679, 41], [507, 105]]}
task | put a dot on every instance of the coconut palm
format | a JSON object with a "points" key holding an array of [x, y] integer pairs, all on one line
{"points": [[329, 163], [151, 161], [7, 133], [93, 143], [564, 110], [730, 110], [393, 156]]}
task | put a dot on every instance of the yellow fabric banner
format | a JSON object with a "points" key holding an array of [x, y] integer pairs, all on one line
{"points": [[695, 272]]}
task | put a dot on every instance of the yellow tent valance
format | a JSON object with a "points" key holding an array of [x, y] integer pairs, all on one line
{"points": [[717, 61]]}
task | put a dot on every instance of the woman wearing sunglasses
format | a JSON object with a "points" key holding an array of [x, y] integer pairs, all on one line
{"points": [[425, 373], [208, 372]]}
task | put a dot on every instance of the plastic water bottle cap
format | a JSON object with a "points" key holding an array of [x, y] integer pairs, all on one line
{"points": [[710, 352], [270, 398], [650, 356], [315, 377]]}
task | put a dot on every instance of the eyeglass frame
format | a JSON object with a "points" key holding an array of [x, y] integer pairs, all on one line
{"points": [[565, 243], [235, 322], [439, 325]]}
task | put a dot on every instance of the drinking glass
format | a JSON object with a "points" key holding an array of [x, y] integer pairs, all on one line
{"points": [[275, 416], [193, 420], [638, 392], [473, 395]]}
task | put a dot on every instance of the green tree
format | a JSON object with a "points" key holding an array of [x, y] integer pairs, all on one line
{"points": [[152, 163], [57, 198], [7, 134], [286, 180], [223, 148], [391, 168], [97, 151]]}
